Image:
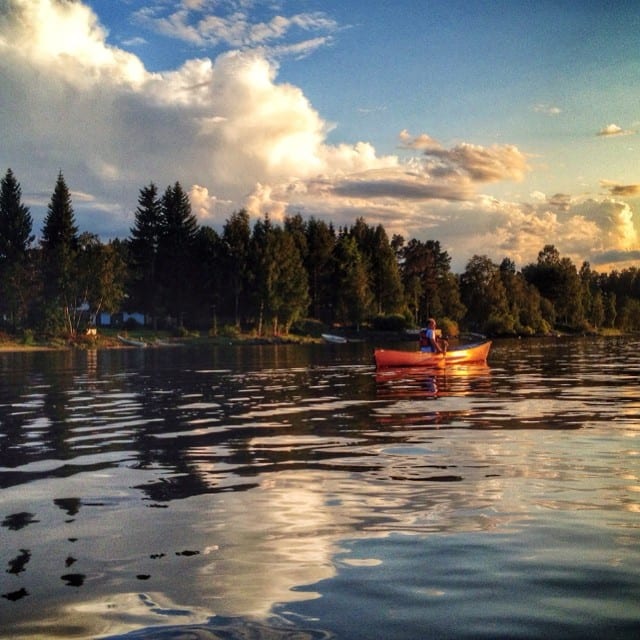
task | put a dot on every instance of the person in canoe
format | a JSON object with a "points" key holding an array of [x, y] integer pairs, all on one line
{"points": [[430, 339]]}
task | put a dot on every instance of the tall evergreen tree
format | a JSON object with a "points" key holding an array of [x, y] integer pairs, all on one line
{"points": [[144, 244], [385, 275], [15, 220], [297, 228], [209, 255], [59, 251], [16, 275], [569, 307], [261, 269], [60, 230], [281, 280], [236, 236], [353, 298], [178, 270], [289, 294], [592, 300], [320, 244]]}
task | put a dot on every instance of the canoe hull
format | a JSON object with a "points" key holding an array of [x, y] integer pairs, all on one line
{"points": [[132, 343], [465, 354], [328, 337]]}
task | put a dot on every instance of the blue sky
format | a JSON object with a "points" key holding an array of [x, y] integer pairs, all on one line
{"points": [[493, 127]]}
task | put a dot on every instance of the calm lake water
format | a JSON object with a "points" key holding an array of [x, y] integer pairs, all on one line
{"points": [[291, 492]]}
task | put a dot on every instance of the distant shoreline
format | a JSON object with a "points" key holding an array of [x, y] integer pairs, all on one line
{"points": [[150, 341], [156, 340]]}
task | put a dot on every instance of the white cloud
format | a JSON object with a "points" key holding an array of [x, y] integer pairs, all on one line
{"points": [[93, 111], [203, 205], [547, 109], [212, 24], [423, 142], [614, 220], [234, 136], [580, 230], [193, 4], [67, 38], [615, 130], [264, 200]]}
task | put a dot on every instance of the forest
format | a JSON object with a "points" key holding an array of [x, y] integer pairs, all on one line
{"points": [[301, 276]]}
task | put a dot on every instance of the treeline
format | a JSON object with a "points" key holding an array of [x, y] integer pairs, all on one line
{"points": [[268, 277]]}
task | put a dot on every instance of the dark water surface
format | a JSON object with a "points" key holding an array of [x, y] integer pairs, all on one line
{"points": [[292, 492]]}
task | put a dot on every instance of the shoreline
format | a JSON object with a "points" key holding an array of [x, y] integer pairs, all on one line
{"points": [[157, 340], [153, 342]]}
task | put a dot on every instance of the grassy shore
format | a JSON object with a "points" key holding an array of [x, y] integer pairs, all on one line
{"points": [[108, 339]]}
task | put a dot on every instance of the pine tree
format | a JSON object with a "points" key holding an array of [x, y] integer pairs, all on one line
{"points": [[59, 251], [353, 297], [15, 220], [281, 283], [290, 289], [209, 255], [320, 242], [143, 253], [16, 276], [387, 286], [176, 263], [236, 236], [261, 269]]}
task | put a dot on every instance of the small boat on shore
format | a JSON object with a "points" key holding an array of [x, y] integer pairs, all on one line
{"points": [[463, 354], [131, 342], [329, 337]]}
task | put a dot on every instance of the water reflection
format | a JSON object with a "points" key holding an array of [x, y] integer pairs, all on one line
{"points": [[168, 487]]}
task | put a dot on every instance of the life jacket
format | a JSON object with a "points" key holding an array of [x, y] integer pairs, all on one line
{"points": [[423, 341]]}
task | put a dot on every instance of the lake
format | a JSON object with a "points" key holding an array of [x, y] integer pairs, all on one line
{"points": [[291, 491]]}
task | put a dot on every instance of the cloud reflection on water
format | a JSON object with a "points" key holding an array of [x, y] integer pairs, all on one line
{"points": [[221, 502]]}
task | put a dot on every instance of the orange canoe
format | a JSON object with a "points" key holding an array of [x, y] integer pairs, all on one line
{"points": [[477, 352]]}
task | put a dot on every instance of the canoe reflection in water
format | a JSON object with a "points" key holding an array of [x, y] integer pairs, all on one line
{"points": [[425, 397], [407, 382]]}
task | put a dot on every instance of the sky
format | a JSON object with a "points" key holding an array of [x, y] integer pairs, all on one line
{"points": [[494, 127]]}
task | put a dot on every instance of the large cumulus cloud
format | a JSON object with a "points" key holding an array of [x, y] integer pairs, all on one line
{"points": [[72, 102], [235, 136]]}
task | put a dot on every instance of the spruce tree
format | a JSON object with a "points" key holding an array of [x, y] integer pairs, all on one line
{"points": [[353, 298], [209, 255], [385, 275], [236, 237], [143, 254], [261, 269], [59, 252], [289, 286], [319, 266], [15, 220], [177, 267], [16, 276]]}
